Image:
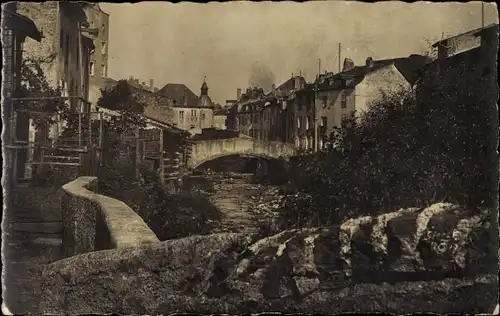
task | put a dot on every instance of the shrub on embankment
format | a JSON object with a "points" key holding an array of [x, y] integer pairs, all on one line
{"points": [[168, 215], [397, 155]]}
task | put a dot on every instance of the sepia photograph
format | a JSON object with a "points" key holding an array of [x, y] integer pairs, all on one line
{"points": [[242, 157]]}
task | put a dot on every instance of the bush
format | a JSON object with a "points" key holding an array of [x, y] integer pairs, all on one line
{"points": [[396, 155]]}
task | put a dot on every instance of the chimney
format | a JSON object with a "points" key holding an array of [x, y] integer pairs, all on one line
{"points": [[369, 62], [238, 94], [151, 85], [348, 64], [297, 83], [273, 89]]}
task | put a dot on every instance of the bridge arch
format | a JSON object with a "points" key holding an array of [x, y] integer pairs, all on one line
{"points": [[245, 155], [207, 150]]}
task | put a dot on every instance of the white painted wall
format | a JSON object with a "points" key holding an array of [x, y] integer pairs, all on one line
{"points": [[387, 79]]}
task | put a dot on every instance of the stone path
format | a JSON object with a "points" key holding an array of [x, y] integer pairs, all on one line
{"points": [[31, 238]]}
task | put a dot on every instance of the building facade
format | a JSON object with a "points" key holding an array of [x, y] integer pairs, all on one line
{"points": [[266, 116], [15, 29], [356, 88], [190, 112], [98, 65], [64, 57], [65, 48], [220, 118], [246, 116]]}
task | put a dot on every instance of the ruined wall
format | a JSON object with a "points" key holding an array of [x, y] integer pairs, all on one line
{"points": [[93, 222], [432, 259]]}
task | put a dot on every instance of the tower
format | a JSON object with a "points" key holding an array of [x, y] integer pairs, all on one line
{"points": [[204, 87]]}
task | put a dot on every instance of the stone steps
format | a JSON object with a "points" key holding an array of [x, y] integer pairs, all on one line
{"points": [[36, 227]]}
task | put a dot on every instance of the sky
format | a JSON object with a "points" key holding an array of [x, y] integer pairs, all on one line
{"points": [[238, 44]]}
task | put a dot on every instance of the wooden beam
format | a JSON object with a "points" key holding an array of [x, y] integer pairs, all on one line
{"points": [[63, 157], [162, 166], [56, 163]]}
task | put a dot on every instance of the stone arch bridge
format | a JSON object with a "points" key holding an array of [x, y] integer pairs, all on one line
{"points": [[206, 150]]}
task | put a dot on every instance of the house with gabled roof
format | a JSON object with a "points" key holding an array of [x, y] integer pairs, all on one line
{"points": [[355, 88], [191, 112]]}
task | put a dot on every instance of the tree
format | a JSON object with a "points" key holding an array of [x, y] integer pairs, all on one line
{"points": [[34, 84], [130, 109], [396, 155]]}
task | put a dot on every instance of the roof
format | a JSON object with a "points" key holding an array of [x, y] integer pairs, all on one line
{"points": [[472, 32], [108, 83], [222, 111], [157, 107], [179, 94], [153, 121], [205, 102], [21, 24], [407, 66], [290, 84]]}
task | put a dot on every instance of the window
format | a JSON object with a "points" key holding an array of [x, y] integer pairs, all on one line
{"points": [[193, 113], [203, 116], [61, 40], [181, 116], [103, 48], [104, 71], [308, 121], [64, 92], [78, 58], [344, 100], [66, 52], [323, 121], [103, 30], [298, 122], [92, 68]]}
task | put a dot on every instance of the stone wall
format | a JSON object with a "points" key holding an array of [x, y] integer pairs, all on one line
{"points": [[94, 222], [429, 259]]}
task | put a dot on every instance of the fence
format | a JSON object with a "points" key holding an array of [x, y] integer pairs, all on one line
{"points": [[74, 140]]}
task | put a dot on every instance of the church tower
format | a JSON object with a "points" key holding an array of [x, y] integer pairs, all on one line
{"points": [[204, 100], [204, 87]]}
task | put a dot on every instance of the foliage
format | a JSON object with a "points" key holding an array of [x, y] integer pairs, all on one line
{"points": [[399, 154], [34, 84], [136, 184]]}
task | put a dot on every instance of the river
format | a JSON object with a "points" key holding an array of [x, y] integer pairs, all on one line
{"points": [[242, 204]]}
